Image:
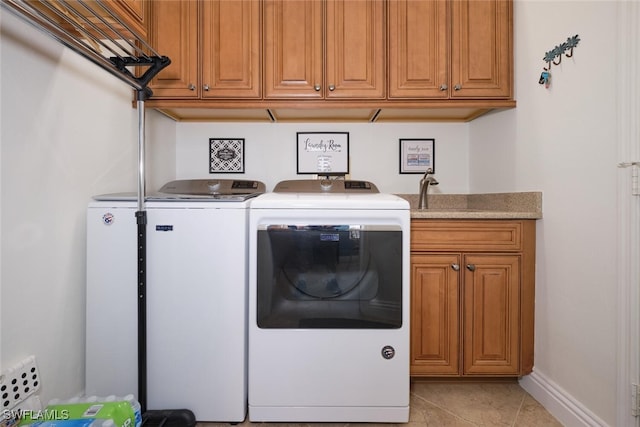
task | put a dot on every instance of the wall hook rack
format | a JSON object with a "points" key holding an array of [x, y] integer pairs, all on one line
{"points": [[554, 56], [558, 51]]}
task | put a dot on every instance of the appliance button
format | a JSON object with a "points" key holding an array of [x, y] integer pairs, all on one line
{"points": [[388, 352]]}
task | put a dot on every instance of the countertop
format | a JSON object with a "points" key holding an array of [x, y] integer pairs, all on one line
{"points": [[524, 205]]}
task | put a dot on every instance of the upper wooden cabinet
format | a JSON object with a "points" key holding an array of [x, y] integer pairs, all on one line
{"points": [[231, 56], [332, 60], [214, 47], [419, 44], [173, 31], [450, 49], [293, 49], [481, 50], [317, 49], [114, 12], [132, 13]]}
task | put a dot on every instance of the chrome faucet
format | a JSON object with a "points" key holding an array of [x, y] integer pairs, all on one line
{"points": [[425, 182]]}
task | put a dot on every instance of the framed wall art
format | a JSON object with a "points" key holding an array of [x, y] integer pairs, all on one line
{"points": [[417, 155], [226, 155], [323, 153]]}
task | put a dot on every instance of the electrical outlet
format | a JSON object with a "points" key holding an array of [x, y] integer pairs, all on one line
{"points": [[18, 383]]}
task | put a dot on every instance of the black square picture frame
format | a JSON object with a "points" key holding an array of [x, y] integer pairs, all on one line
{"points": [[226, 155], [417, 155]]}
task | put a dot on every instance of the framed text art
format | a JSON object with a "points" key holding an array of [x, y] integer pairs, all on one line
{"points": [[323, 153], [417, 155], [226, 155]]}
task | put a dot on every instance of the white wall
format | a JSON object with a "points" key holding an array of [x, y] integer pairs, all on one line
{"points": [[160, 156], [270, 152], [562, 141], [68, 132]]}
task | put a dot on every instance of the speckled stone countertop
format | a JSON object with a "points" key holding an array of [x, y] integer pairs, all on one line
{"points": [[525, 205]]}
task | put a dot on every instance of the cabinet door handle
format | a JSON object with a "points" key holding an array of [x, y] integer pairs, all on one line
{"points": [[206, 87], [317, 88], [444, 87], [471, 267], [455, 267], [191, 86], [332, 88], [457, 87]]}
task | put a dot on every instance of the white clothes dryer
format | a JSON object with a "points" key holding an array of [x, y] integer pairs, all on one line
{"points": [[197, 278], [328, 304]]}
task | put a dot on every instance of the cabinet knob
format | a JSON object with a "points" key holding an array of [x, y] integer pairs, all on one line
{"points": [[206, 87], [457, 87], [332, 88], [471, 267], [191, 86], [455, 267], [444, 87], [317, 88]]}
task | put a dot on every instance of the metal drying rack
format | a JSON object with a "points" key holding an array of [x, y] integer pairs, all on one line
{"points": [[92, 30]]}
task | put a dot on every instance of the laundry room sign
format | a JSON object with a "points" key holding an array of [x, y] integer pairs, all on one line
{"points": [[323, 153]]}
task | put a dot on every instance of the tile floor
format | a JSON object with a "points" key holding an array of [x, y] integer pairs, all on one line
{"points": [[468, 404]]}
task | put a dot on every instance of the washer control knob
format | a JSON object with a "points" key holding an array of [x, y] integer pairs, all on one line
{"points": [[388, 352], [326, 184]]}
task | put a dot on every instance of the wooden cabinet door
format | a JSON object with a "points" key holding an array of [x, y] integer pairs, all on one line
{"points": [[97, 18], [434, 314], [491, 314], [293, 49], [231, 54], [355, 61], [173, 31], [481, 49], [418, 49], [132, 13]]}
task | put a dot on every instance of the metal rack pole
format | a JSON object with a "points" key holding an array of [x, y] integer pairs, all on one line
{"points": [[141, 221]]}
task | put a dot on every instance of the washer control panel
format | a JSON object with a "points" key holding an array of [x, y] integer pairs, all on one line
{"points": [[216, 188]]}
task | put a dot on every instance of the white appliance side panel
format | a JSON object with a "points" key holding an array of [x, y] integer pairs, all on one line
{"points": [[112, 310], [196, 310]]}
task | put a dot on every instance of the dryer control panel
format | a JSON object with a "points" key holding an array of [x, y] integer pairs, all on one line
{"points": [[325, 186]]}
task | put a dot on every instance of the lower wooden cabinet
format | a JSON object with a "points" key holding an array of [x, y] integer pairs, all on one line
{"points": [[435, 314], [472, 297]]}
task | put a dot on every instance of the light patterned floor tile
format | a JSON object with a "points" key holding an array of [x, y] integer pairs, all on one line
{"points": [[455, 404]]}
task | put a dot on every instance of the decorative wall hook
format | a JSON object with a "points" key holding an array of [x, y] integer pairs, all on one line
{"points": [[558, 51], [554, 56]]}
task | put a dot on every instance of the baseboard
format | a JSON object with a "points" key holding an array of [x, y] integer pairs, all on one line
{"points": [[564, 407]]}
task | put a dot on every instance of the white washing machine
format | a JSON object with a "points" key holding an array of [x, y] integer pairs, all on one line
{"points": [[196, 293], [328, 304]]}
